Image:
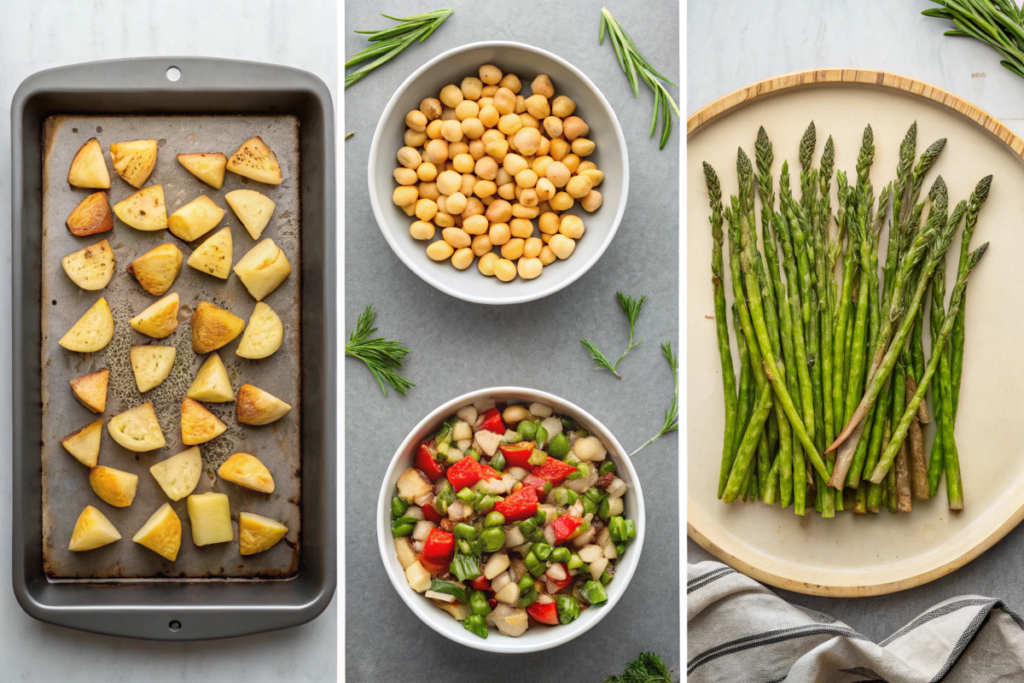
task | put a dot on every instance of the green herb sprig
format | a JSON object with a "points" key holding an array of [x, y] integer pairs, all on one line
{"points": [[647, 668], [672, 414], [633, 64], [387, 43], [382, 356], [632, 308], [998, 23]]}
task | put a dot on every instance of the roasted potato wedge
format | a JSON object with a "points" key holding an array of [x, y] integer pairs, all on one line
{"points": [[210, 517], [162, 533], [257, 533], [134, 161], [89, 168], [137, 429], [91, 390], [114, 487], [90, 268], [145, 210], [252, 208], [157, 269], [207, 166], [178, 475], [91, 216], [248, 471], [257, 407], [195, 219], [214, 255], [257, 161], [263, 335], [213, 327], [92, 332], [92, 530], [198, 425], [159, 319], [263, 269], [211, 383], [151, 365], [84, 444]]}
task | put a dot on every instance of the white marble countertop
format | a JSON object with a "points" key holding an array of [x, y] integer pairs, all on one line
{"points": [[736, 43], [41, 34]]}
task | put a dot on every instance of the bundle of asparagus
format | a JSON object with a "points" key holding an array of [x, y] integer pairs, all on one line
{"points": [[832, 379]]}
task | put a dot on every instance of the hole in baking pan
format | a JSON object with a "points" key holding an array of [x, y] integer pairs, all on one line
{"points": [[175, 626], [173, 74]]}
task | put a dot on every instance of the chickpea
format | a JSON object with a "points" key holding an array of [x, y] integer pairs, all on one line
{"points": [[533, 247], [444, 220], [429, 191], [439, 251], [405, 196], [421, 230], [484, 188], [414, 139], [500, 211], [583, 147], [504, 270], [544, 207], [538, 106], [471, 88], [504, 177], [451, 131], [426, 172], [547, 257], [558, 174], [522, 211], [542, 85], [473, 128], [513, 249], [409, 158], [561, 202], [509, 124], [450, 96], [489, 91], [521, 227], [507, 191], [486, 263], [434, 129], [545, 190], [529, 198], [481, 245], [499, 234], [572, 162], [530, 268], [416, 120], [405, 176], [462, 258], [505, 101], [527, 141], [546, 238], [553, 126], [520, 105], [562, 246], [571, 226], [409, 210], [486, 101], [578, 186], [592, 202], [463, 163], [540, 165], [561, 106], [596, 176], [467, 109], [457, 148], [585, 166], [559, 149], [513, 164], [589, 448], [455, 203], [449, 182], [574, 127], [549, 222], [457, 237], [431, 108], [489, 115], [497, 149], [426, 209], [526, 178], [436, 152], [512, 82], [475, 225], [474, 207], [486, 168], [490, 74], [447, 114], [529, 121], [544, 148]]}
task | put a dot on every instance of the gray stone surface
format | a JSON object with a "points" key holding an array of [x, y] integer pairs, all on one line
{"points": [[457, 347], [46, 33], [733, 44]]}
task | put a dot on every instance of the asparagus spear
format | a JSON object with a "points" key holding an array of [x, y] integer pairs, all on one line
{"points": [[915, 440], [826, 284], [746, 391], [753, 433]]}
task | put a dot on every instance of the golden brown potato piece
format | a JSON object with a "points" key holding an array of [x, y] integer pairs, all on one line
{"points": [[137, 429], [92, 530], [257, 161], [214, 255], [198, 425], [113, 486], [90, 268], [257, 533], [263, 335], [134, 161], [252, 208], [84, 444], [213, 327], [211, 383], [195, 219], [160, 319], [157, 269], [263, 269], [179, 474], [145, 210], [88, 168], [162, 533], [207, 166], [257, 407], [91, 390], [92, 215], [248, 471], [92, 332]]}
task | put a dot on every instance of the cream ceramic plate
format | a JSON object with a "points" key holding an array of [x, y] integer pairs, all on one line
{"points": [[850, 555]]}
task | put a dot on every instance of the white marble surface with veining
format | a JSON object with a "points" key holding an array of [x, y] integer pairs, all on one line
{"points": [[39, 34]]}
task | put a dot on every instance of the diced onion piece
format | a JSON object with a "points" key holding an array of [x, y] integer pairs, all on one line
{"points": [[418, 577], [597, 568], [422, 530], [467, 413], [509, 594], [496, 564], [443, 597], [556, 572]]}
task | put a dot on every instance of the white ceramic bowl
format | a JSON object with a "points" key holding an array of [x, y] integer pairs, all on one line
{"points": [[610, 156], [538, 637]]}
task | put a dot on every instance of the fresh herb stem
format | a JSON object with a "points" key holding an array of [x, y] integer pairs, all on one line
{"points": [[350, 134], [998, 23], [382, 356], [647, 668], [632, 308], [671, 423], [388, 43]]}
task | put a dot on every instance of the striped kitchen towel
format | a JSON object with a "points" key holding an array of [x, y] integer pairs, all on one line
{"points": [[738, 630]]}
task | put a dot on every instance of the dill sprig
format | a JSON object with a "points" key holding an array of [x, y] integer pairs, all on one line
{"points": [[633, 64], [387, 43], [382, 356], [647, 668], [672, 414], [632, 308]]}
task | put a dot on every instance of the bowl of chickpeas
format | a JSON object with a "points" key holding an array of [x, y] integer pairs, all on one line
{"points": [[498, 173]]}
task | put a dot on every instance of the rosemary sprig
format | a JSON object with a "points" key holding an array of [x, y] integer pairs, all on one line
{"points": [[672, 414], [633, 64], [382, 356], [998, 23], [632, 308], [387, 43]]}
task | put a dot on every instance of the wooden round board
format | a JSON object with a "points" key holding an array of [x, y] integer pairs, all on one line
{"points": [[851, 555]]}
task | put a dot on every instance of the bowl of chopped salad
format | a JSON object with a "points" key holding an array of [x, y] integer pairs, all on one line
{"points": [[510, 520]]}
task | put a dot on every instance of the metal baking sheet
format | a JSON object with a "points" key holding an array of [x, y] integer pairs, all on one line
{"points": [[66, 489]]}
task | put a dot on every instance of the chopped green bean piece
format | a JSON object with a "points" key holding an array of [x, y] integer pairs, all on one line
{"points": [[630, 529], [528, 526], [542, 551], [498, 461], [596, 592], [484, 504], [542, 435], [617, 527], [476, 625], [540, 518], [595, 494], [465, 547], [466, 531], [538, 458], [606, 578], [568, 425], [582, 470], [445, 497], [492, 539], [399, 530], [608, 466], [478, 603], [559, 446], [568, 609], [465, 566], [620, 548], [494, 519], [561, 554], [575, 561], [473, 453], [528, 598], [525, 583], [398, 507], [466, 495], [527, 430]]}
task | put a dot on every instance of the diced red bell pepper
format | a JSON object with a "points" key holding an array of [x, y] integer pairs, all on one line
{"points": [[431, 514], [554, 471], [425, 462], [488, 472], [432, 567], [565, 527], [465, 472], [439, 548], [492, 603], [535, 483], [519, 506], [518, 454], [559, 585], [480, 583], [544, 612], [492, 422]]}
